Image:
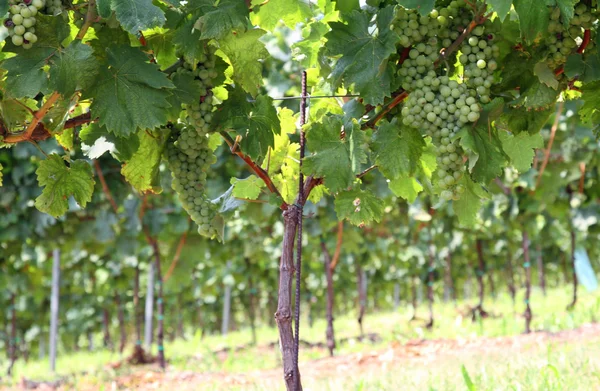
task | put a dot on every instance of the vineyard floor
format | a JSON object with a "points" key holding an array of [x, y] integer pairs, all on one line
{"points": [[563, 354]]}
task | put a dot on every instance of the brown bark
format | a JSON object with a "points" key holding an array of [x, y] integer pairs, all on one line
{"points": [[329, 333], [283, 316], [478, 311], [121, 319], [527, 265], [160, 333], [12, 344], [106, 326], [449, 290], [541, 271], [138, 351], [362, 297]]}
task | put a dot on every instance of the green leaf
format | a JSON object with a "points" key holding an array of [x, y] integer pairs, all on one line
{"points": [[256, 122], [502, 7], [467, 378], [26, 77], [359, 206], [245, 51], [142, 170], [220, 20], [3, 7], [424, 6], [290, 12], [103, 7], [567, 9], [98, 140], [364, 53], [397, 149], [467, 207], [517, 120], [248, 189], [586, 69], [534, 17], [72, 69], [545, 74], [131, 93], [61, 182], [186, 91], [486, 157], [520, 148], [332, 157], [590, 111], [406, 187], [137, 15], [538, 96], [51, 30], [14, 112]]}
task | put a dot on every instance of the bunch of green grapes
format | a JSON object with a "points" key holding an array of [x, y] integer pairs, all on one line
{"points": [[189, 158], [21, 21], [562, 41], [440, 108], [54, 7], [478, 57], [199, 114]]}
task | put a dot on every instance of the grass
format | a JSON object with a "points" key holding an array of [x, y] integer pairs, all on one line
{"points": [[572, 366]]}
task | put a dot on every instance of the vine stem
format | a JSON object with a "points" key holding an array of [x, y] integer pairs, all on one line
{"points": [[177, 255], [105, 187], [338, 246], [38, 116], [258, 170], [89, 19], [550, 142], [298, 385]]}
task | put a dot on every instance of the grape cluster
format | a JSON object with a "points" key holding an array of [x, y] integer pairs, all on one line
{"points": [[562, 41], [478, 57], [189, 158], [53, 7], [21, 21], [438, 105], [199, 114]]}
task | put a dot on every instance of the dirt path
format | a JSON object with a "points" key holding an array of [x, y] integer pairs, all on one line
{"points": [[428, 351]]}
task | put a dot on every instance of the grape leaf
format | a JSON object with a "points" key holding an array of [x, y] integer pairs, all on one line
{"points": [[406, 187], [586, 69], [517, 120], [307, 50], [333, 157], [397, 149], [534, 17], [98, 140], [359, 206], [73, 68], [545, 74], [131, 93], [245, 51], [103, 7], [486, 157], [502, 7], [290, 12], [256, 122], [186, 91], [142, 169], [364, 53], [468, 206], [25, 75], [567, 9], [520, 148], [14, 112], [61, 182], [590, 111], [424, 6], [538, 96], [4, 7], [221, 18], [248, 188], [137, 15], [283, 151]]}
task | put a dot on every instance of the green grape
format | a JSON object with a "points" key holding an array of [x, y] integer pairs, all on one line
{"points": [[21, 21]]}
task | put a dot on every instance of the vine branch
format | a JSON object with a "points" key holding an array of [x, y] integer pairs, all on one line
{"points": [[90, 17], [105, 188], [258, 170], [177, 255], [37, 117], [559, 110], [338, 246]]}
